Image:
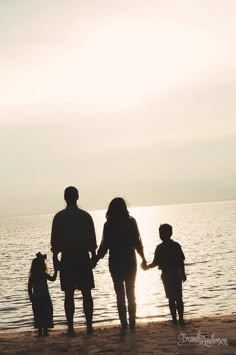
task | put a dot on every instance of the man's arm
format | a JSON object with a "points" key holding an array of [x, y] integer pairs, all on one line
{"points": [[92, 242], [92, 237], [54, 244], [30, 292], [56, 261], [54, 236]]}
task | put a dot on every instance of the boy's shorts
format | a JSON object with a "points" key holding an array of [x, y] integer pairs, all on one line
{"points": [[172, 281]]}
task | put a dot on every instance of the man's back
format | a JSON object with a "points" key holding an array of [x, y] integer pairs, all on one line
{"points": [[73, 231]]}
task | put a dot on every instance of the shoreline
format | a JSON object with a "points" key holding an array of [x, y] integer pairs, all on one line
{"points": [[205, 335]]}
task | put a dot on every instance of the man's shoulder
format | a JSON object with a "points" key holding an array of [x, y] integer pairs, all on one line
{"points": [[66, 212], [59, 214], [84, 213]]}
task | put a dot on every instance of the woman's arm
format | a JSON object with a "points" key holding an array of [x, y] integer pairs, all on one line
{"points": [[138, 245], [141, 253], [103, 248]]}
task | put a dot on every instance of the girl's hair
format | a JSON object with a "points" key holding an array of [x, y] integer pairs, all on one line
{"points": [[117, 208], [38, 269]]}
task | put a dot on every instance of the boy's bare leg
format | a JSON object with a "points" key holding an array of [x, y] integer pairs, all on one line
{"points": [[172, 306], [180, 308]]}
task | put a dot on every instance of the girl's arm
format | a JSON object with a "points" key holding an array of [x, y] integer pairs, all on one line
{"points": [[53, 277]]}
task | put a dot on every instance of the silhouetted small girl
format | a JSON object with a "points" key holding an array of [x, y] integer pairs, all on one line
{"points": [[39, 294]]}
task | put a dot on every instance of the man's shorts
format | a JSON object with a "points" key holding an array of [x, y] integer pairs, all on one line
{"points": [[76, 272]]}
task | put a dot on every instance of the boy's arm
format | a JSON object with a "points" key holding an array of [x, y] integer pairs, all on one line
{"points": [[183, 272], [53, 277], [155, 261], [182, 257]]}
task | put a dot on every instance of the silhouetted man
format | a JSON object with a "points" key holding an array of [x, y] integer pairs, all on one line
{"points": [[73, 235]]}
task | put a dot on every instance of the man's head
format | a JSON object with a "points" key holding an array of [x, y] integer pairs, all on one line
{"points": [[165, 231], [71, 195]]}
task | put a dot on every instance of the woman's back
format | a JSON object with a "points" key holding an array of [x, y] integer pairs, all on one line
{"points": [[121, 237]]}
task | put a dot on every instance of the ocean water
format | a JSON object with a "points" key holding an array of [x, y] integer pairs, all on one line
{"points": [[206, 232]]}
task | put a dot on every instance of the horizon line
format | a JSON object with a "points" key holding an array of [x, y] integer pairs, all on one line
{"points": [[129, 207]]}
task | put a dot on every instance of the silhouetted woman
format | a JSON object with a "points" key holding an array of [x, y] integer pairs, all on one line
{"points": [[121, 237]]}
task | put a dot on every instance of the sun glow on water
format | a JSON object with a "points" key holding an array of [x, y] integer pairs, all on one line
{"points": [[205, 231]]}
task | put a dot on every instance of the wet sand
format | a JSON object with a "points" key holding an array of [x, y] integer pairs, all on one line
{"points": [[207, 335]]}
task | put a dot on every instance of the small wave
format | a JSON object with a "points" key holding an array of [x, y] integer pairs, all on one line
{"points": [[7, 309], [198, 262]]}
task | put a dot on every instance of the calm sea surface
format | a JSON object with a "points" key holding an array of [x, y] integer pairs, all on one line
{"points": [[206, 232]]}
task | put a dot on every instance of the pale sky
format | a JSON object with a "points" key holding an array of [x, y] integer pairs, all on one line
{"points": [[132, 98]]}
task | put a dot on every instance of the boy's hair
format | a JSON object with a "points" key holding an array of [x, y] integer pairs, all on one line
{"points": [[165, 231]]}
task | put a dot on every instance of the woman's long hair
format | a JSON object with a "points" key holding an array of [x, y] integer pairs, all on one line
{"points": [[117, 209]]}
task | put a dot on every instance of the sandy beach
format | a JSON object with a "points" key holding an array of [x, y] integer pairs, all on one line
{"points": [[207, 335]]}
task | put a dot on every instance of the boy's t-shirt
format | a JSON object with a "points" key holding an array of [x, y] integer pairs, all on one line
{"points": [[168, 255]]}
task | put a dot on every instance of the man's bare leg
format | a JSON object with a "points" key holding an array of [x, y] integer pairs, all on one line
{"points": [[88, 309], [69, 310]]}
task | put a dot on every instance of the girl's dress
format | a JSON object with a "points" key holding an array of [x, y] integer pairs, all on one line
{"points": [[42, 304]]}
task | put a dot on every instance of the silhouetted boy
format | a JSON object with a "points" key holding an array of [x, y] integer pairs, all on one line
{"points": [[170, 259]]}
